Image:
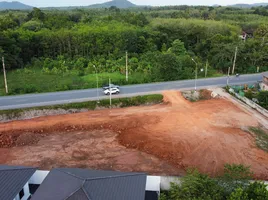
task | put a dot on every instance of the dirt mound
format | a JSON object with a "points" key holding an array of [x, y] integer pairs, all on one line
{"points": [[194, 96], [7, 140], [181, 134], [205, 95], [27, 139], [13, 140]]}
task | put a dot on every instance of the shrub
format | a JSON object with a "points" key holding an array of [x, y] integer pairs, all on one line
{"points": [[91, 105], [249, 94]]}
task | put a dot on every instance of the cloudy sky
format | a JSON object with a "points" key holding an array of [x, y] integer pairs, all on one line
{"points": [[45, 3]]}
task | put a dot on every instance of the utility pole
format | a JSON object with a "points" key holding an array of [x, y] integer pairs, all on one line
{"points": [[5, 77], [228, 76], [206, 69], [97, 79], [195, 75], [234, 60], [110, 92], [126, 66]]}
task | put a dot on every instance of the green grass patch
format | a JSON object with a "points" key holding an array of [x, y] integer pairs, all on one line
{"points": [[261, 138], [91, 105], [25, 81], [34, 80]]}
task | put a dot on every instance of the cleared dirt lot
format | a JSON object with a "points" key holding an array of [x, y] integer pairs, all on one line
{"points": [[160, 139]]}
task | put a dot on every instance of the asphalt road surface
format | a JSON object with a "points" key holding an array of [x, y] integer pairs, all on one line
{"points": [[44, 99]]}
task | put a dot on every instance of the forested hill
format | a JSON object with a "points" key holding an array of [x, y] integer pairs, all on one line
{"points": [[116, 3], [48, 50], [249, 5], [14, 5]]}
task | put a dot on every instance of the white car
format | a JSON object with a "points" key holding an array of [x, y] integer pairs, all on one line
{"points": [[112, 91]]}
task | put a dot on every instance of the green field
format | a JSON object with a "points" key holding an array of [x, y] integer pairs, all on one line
{"points": [[35, 81], [24, 81]]}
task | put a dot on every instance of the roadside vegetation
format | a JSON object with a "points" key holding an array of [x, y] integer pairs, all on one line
{"points": [[251, 92], [7, 115], [234, 184], [260, 96], [55, 50], [261, 138]]}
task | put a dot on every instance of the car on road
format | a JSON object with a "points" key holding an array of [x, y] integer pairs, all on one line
{"points": [[113, 90], [105, 87]]}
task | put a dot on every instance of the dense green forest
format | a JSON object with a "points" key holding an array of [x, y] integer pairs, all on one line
{"points": [[52, 50]]}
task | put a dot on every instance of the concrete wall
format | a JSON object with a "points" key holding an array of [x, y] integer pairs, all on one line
{"points": [[250, 103], [166, 180]]}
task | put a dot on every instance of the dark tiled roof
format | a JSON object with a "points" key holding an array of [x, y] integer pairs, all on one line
{"points": [[12, 180], [81, 184]]}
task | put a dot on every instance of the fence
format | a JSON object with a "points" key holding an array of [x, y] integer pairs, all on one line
{"points": [[250, 103]]}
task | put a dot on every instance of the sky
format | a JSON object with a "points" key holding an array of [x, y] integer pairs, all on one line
{"points": [[55, 3]]}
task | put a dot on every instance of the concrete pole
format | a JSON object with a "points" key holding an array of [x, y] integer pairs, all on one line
{"points": [[195, 74], [110, 93], [5, 76], [195, 77], [206, 69], [228, 76], [97, 79], [234, 60], [126, 66]]}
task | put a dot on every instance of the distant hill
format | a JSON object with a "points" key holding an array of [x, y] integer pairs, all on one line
{"points": [[117, 3], [14, 5], [249, 5]]}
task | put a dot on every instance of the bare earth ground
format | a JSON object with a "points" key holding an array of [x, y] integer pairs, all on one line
{"points": [[161, 139]]}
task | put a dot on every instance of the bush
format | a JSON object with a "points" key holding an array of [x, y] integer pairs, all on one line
{"points": [[91, 105], [255, 190], [233, 185], [249, 94], [263, 99]]}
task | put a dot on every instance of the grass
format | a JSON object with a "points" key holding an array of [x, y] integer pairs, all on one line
{"points": [[33, 80], [261, 138], [91, 105]]}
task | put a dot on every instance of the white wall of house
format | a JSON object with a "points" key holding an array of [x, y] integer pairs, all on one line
{"points": [[38, 177], [153, 183], [26, 191], [166, 180]]}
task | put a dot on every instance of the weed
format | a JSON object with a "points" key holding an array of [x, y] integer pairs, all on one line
{"points": [[261, 138], [91, 105]]}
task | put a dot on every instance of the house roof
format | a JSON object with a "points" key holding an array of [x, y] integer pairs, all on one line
{"points": [[82, 184], [12, 180]]}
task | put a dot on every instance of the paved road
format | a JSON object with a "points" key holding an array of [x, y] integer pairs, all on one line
{"points": [[31, 100]]}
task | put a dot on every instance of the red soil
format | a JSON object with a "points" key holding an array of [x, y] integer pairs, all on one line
{"points": [[160, 139]]}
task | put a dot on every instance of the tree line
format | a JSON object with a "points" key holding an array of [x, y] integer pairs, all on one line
{"points": [[161, 42]]}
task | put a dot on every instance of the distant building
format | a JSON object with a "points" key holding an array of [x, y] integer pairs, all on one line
{"points": [[243, 36], [264, 83]]}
